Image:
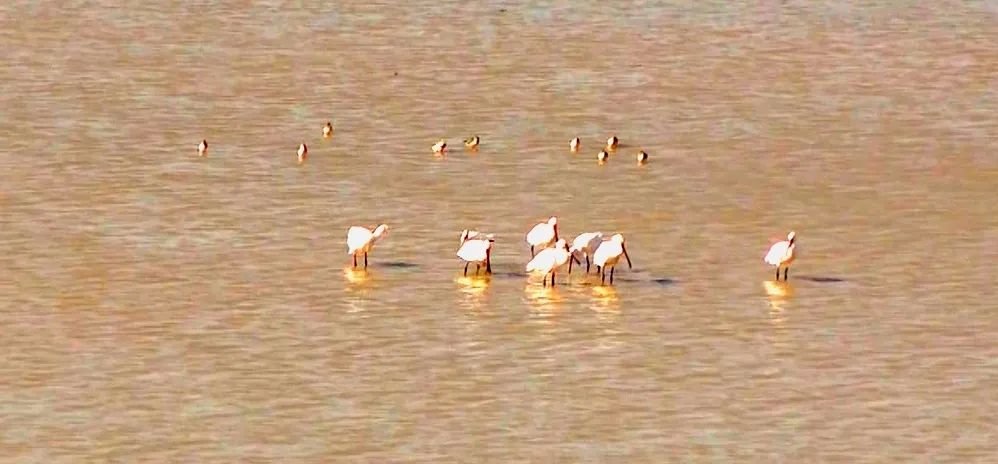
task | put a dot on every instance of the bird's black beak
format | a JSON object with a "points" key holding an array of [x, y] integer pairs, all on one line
{"points": [[629, 266]]}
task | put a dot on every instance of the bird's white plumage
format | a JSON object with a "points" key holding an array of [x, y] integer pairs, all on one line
{"points": [[475, 251], [543, 234], [782, 253], [612, 142], [361, 239], [440, 146], [575, 144], [203, 148], [302, 152], [586, 243], [608, 252], [550, 259]]}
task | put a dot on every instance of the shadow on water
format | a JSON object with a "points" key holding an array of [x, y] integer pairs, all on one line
{"points": [[397, 265], [820, 279]]}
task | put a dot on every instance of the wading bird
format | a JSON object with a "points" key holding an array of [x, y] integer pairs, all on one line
{"points": [[608, 254], [549, 260], [543, 234], [782, 253], [585, 244], [361, 240]]}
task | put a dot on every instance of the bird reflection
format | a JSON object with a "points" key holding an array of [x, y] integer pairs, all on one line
{"points": [[605, 303], [779, 294], [473, 289], [356, 276], [546, 300]]}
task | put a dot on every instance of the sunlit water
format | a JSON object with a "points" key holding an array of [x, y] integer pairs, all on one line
{"points": [[162, 307]]}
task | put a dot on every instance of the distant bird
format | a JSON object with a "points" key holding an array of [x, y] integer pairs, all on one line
{"points": [[602, 156], [439, 147], [608, 254], [612, 142], [302, 153], [585, 244], [327, 130], [543, 234], [575, 144], [476, 251], [203, 148], [361, 240], [549, 260], [472, 143], [642, 157], [782, 253]]}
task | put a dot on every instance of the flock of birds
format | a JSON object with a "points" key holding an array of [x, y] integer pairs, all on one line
{"points": [[548, 252]]}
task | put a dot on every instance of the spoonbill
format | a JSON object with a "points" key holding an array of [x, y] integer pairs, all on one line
{"points": [[585, 244], [782, 253], [575, 144], [608, 254], [361, 240], [612, 142], [642, 157], [203, 148], [472, 143], [439, 147], [549, 260], [327, 130], [543, 234], [302, 153], [477, 251], [602, 156]]}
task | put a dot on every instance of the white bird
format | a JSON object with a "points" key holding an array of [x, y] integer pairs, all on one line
{"points": [[585, 244], [477, 251], [549, 260], [203, 148], [612, 142], [608, 254], [361, 240], [472, 142], [327, 130], [642, 157], [543, 234], [602, 156], [302, 153], [782, 253], [439, 147], [575, 144]]}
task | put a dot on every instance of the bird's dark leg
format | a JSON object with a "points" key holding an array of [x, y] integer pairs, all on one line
{"points": [[777, 273], [466, 269], [478, 267], [488, 265], [602, 275], [611, 274], [531, 251], [569, 266], [365, 260], [355, 260], [587, 263], [544, 282], [786, 270], [552, 279]]}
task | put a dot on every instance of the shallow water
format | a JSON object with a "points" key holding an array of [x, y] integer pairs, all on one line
{"points": [[159, 307]]}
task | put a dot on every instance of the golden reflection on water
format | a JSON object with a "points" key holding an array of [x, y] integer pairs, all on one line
{"points": [[473, 290], [546, 301], [357, 277], [779, 294], [605, 302]]}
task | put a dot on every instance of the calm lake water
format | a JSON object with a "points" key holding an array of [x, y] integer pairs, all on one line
{"points": [[160, 307]]}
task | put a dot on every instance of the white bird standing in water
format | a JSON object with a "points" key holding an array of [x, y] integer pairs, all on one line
{"points": [[642, 157], [543, 234], [585, 244], [602, 156], [782, 253], [575, 144], [612, 142], [549, 260], [327, 130], [302, 153], [478, 251], [608, 254], [361, 240], [203, 148]]}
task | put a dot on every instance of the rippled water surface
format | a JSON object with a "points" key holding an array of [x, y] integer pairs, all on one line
{"points": [[161, 307]]}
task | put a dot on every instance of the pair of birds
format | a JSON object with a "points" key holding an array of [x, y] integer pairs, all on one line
{"points": [[470, 143], [603, 253], [327, 132]]}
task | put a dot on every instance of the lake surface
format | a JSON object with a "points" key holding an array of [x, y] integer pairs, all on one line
{"points": [[160, 307]]}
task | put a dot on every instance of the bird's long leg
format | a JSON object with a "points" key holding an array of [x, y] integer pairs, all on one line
{"points": [[478, 267], [602, 275], [544, 282], [355, 260], [570, 266], [552, 279], [488, 265], [531, 251], [365, 260], [587, 263], [466, 269], [786, 271], [611, 274], [777, 273]]}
